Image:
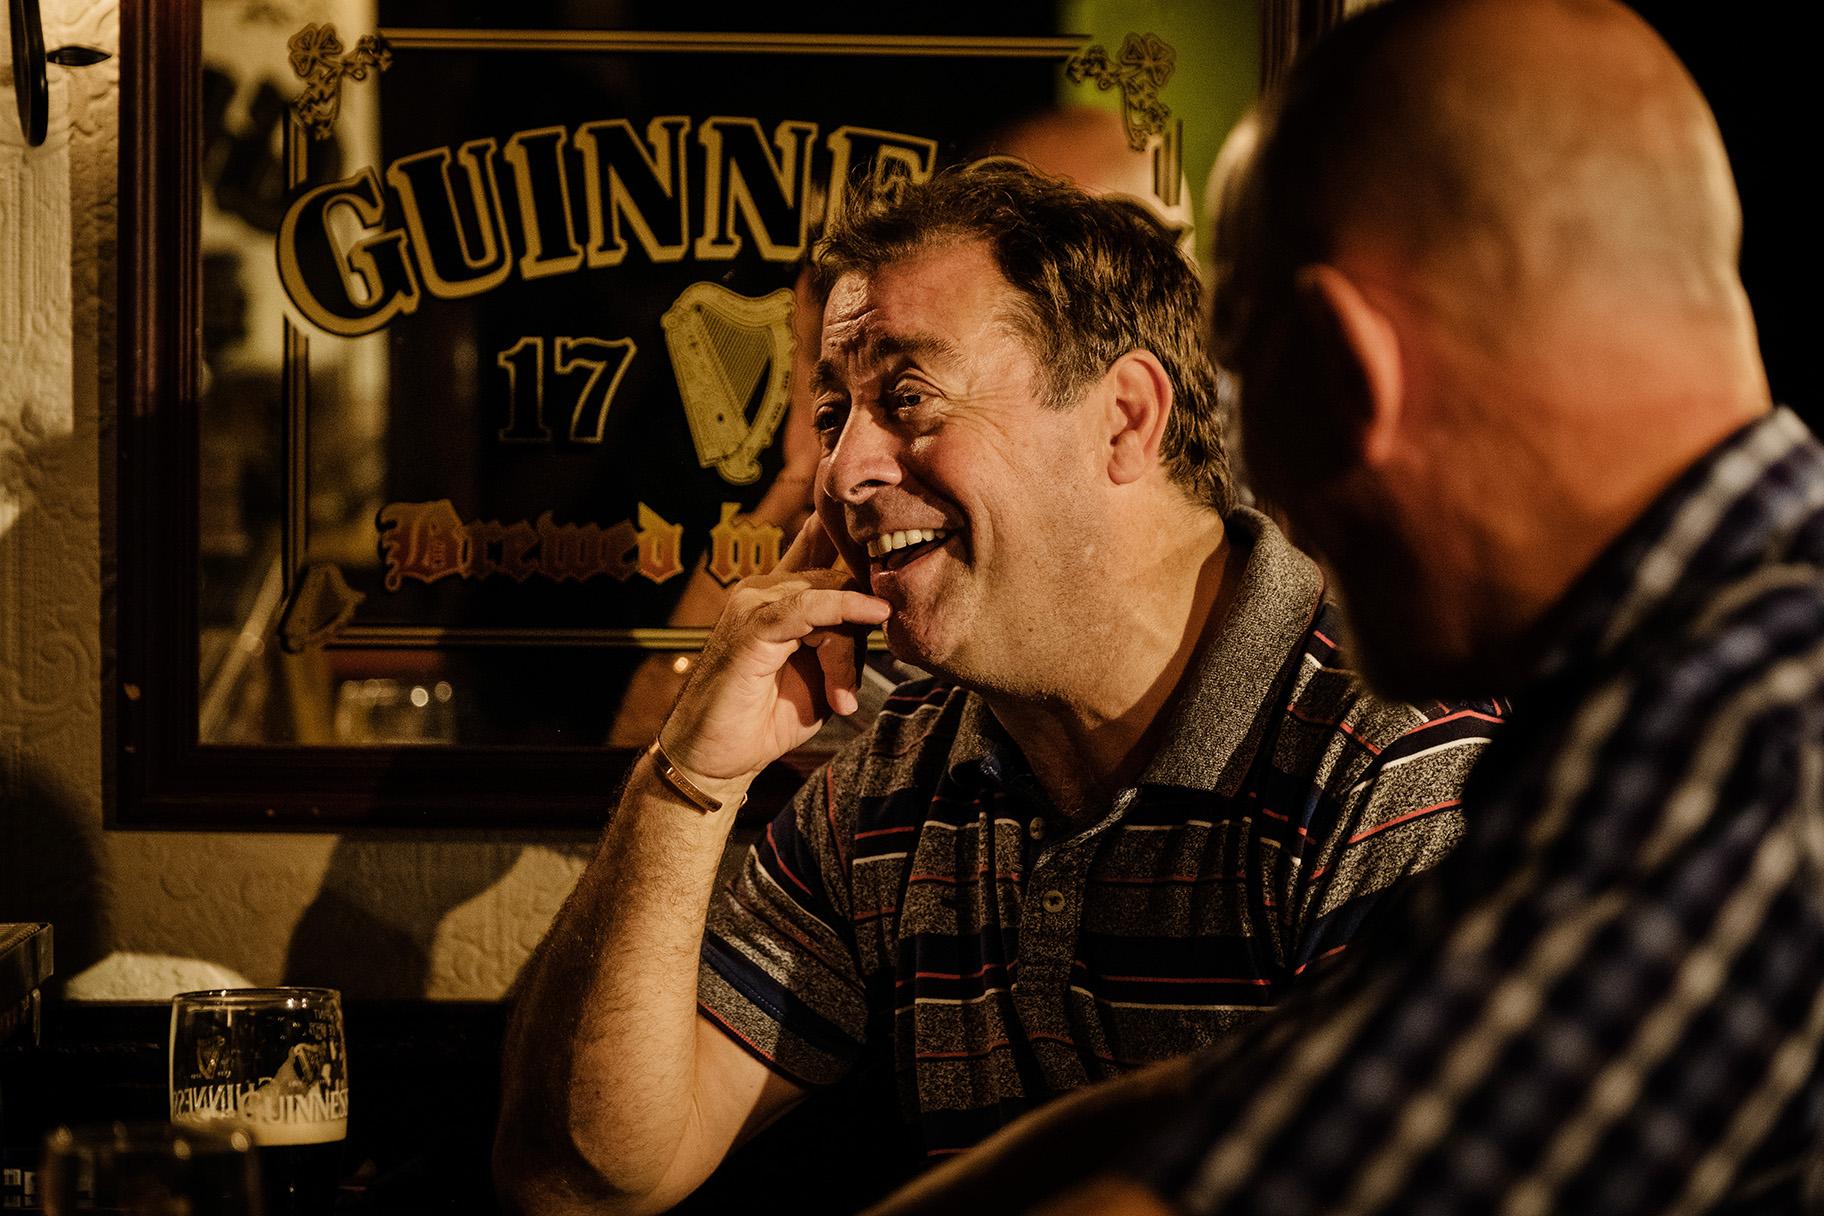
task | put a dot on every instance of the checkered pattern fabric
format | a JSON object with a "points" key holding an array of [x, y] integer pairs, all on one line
{"points": [[1610, 998]]}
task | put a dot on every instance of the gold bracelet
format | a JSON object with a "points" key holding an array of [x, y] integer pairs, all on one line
{"points": [[674, 776]]}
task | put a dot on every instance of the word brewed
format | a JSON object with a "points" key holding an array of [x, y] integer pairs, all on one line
{"points": [[428, 541]]}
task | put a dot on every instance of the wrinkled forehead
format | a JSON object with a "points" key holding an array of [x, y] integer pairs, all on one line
{"points": [[934, 303]]}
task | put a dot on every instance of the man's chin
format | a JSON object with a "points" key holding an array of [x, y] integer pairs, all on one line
{"points": [[913, 646], [902, 643]]}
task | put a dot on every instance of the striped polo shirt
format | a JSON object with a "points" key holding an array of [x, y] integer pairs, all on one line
{"points": [[922, 898]]}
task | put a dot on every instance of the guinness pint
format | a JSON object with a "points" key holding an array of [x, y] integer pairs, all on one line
{"points": [[270, 1062]]}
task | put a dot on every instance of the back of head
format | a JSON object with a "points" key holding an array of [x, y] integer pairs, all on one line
{"points": [[1511, 157], [1478, 276], [1095, 278]]}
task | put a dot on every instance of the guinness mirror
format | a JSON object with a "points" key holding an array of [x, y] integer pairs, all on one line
{"points": [[462, 362]]}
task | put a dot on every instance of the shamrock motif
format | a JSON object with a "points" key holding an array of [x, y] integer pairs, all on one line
{"points": [[369, 52], [315, 50], [317, 58], [1141, 68], [1147, 59], [1091, 64]]}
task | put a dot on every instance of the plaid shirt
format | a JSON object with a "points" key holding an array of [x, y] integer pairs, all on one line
{"points": [[922, 899], [1610, 999]]}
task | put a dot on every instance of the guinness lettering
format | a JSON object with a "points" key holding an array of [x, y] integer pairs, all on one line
{"points": [[461, 249], [353, 257], [349, 291]]}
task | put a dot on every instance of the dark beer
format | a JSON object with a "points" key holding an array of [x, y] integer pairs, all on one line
{"points": [[300, 1163], [299, 1177]]}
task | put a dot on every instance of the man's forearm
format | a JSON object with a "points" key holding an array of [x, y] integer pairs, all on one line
{"points": [[614, 1097], [601, 1049]]}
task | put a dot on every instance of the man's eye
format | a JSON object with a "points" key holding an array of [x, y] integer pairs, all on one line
{"points": [[909, 397], [828, 416]]}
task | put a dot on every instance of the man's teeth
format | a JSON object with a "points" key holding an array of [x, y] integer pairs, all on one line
{"points": [[885, 543]]}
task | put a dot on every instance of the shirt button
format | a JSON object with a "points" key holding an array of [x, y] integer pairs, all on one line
{"points": [[1036, 829], [1053, 901]]}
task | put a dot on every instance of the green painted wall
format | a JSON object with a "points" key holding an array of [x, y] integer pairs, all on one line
{"points": [[1218, 68]]}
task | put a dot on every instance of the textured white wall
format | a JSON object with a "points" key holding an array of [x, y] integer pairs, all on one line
{"points": [[448, 918]]}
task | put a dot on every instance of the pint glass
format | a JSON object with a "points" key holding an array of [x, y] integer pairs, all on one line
{"points": [[271, 1062]]}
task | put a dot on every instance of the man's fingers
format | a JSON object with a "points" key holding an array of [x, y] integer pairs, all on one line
{"points": [[792, 617], [774, 583], [838, 656]]}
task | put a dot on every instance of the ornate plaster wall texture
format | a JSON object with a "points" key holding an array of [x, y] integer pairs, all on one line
{"points": [[450, 918]]}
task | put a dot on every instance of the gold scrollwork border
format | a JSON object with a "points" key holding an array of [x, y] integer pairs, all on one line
{"points": [[320, 62]]}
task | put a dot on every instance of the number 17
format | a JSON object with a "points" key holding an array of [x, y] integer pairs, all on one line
{"points": [[606, 361]]}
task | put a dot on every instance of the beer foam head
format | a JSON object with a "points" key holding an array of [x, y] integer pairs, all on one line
{"points": [[273, 1133]]}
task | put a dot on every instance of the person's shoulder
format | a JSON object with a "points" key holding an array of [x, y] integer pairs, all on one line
{"points": [[1360, 746], [1329, 688], [1761, 629], [915, 725]]}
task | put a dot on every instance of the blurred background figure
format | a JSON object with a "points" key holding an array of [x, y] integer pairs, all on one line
{"points": [[1089, 147]]}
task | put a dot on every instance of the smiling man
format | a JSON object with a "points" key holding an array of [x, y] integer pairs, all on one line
{"points": [[1141, 800]]}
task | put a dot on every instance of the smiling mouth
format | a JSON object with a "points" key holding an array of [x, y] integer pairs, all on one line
{"points": [[891, 550]]}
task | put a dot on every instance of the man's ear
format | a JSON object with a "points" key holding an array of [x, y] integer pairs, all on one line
{"points": [[1139, 400], [1367, 346]]}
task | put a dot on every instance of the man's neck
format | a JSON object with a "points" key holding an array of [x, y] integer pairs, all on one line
{"points": [[1536, 557], [1095, 732]]}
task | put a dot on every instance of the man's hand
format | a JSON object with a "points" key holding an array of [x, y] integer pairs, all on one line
{"points": [[784, 656]]}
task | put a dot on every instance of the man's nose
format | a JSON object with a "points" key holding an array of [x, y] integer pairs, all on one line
{"points": [[865, 458]]}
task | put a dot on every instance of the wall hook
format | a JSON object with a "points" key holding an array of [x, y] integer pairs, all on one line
{"points": [[30, 87]]}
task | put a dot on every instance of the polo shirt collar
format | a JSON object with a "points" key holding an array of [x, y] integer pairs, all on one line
{"points": [[982, 745], [1225, 700]]}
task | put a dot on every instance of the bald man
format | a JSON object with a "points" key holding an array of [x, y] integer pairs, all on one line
{"points": [[1478, 279]]}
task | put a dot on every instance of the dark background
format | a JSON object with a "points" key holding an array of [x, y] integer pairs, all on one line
{"points": [[1747, 59]]}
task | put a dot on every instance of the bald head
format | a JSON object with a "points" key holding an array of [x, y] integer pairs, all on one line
{"points": [[1506, 157], [1477, 273]]}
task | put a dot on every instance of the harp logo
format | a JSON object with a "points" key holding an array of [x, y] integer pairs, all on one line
{"points": [[730, 351]]}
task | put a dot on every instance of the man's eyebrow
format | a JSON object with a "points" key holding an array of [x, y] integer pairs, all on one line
{"points": [[825, 378], [879, 349]]}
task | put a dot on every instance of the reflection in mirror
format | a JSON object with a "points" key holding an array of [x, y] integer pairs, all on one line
{"points": [[251, 690]]}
